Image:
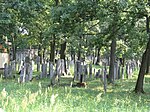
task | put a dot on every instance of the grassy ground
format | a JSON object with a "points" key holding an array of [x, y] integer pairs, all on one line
{"points": [[36, 96]]}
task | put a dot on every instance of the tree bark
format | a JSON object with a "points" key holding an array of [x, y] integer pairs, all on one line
{"points": [[52, 54], [112, 61], [79, 50], [14, 47], [39, 53], [148, 65], [98, 56], [62, 54], [140, 80]]}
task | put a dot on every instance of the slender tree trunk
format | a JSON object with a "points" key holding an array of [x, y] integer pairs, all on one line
{"points": [[52, 54], [62, 54], [148, 65], [98, 56], [112, 61], [40, 53], [79, 50], [139, 83], [14, 47]]}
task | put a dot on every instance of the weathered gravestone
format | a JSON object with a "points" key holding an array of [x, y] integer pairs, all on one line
{"points": [[75, 72], [85, 72], [44, 70], [22, 74], [30, 72], [116, 71], [5, 70], [10, 71]]}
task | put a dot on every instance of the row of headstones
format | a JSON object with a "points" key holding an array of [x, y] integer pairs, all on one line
{"points": [[53, 71]]}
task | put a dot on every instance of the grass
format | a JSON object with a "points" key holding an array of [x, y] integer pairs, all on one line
{"points": [[36, 96]]}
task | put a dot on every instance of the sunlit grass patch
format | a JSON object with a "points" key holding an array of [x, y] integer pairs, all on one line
{"points": [[36, 96]]}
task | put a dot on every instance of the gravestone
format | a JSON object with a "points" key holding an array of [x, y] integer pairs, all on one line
{"points": [[9, 70], [22, 74], [30, 72], [5, 70], [62, 67], [116, 71], [13, 64], [51, 70], [75, 72], [85, 72], [44, 70], [122, 72], [80, 72]]}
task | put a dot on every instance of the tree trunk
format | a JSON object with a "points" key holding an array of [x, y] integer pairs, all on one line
{"points": [[148, 65], [79, 50], [14, 47], [112, 61], [39, 53], [98, 56], [62, 54], [52, 54], [139, 83]]}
